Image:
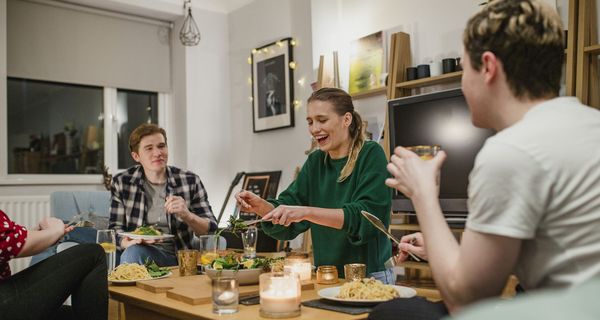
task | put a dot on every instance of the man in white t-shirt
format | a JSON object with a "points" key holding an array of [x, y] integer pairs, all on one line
{"points": [[534, 192]]}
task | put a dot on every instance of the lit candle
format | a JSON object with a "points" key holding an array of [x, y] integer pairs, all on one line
{"points": [[327, 275], [303, 269], [299, 263], [279, 295]]}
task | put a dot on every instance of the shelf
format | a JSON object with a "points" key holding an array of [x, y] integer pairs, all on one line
{"points": [[448, 77], [369, 93], [415, 227], [594, 49], [414, 265]]}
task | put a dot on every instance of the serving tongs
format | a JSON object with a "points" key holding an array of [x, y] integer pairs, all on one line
{"points": [[379, 225], [253, 222]]}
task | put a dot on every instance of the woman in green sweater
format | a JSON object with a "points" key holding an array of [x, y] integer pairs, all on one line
{"points": [[345, 176]]}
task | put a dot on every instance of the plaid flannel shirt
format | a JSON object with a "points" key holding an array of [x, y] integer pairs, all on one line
{"points": [[129, 208]]}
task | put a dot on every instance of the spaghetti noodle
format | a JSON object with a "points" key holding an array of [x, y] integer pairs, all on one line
{"points": [[367, 289], [129, 271]]}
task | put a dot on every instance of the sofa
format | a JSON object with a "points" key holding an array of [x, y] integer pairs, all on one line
{"points": [[95, 206]]}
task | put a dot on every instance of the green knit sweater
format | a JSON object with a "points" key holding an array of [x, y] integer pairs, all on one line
{"points": [[316, 186]]}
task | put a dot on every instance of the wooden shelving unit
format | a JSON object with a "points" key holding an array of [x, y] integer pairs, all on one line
{"points": [[369, 93], [415, 227], [444, 78], [594, 49]]}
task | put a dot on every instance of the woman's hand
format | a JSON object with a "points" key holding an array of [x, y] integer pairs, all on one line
{"points": [[250, 202], [286, 215], [55, 226], [413, 243], [412, 176]]}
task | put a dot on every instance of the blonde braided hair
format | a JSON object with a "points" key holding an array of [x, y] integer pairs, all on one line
{"points": [[342, 104]]}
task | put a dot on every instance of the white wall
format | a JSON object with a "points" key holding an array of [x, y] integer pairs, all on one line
{"points": [[435, 28], [253, 26], [207, 101]]}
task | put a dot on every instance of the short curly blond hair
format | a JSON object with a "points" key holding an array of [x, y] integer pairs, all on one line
{"points": [[527, 36]]}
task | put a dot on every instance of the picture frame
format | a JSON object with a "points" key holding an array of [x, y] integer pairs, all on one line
{"points": [[263, 184], [272, 86], [367, 67]]}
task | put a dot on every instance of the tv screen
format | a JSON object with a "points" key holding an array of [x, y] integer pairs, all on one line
{"points": [[441, 118]]}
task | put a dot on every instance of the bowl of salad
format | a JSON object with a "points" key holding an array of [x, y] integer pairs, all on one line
{"points": [[246, 271]]}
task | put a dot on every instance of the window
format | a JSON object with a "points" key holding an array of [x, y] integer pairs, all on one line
{"points": [[57, 128], [54, 128], [133, 109]]}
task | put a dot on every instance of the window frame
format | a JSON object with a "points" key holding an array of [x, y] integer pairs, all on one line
{"points": [[110, 145]]}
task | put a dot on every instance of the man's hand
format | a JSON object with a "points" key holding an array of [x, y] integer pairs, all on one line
{"points": [[413, 243], [176, 205], [127, 242]]}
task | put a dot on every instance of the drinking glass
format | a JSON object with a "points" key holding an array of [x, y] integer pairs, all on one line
{"points": [[108, 242], [187, 260], [425, 152], [209, 244], [225, 295], [249, 239]]}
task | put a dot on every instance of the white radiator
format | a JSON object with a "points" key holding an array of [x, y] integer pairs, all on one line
{"points": [[26, 211]]}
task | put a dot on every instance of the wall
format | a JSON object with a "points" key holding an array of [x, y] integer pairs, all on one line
{"points": [[207, 101], [435, 28], [253, 26]]}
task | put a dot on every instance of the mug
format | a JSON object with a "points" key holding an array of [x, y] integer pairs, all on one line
{"points": [[411, 73], [449, 65], [422, 71]]}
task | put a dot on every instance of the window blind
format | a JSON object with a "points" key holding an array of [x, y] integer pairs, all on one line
{"points": [[63, 44]]}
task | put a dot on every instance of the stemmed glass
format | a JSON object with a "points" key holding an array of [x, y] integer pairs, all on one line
{"points": [[107, 240], [249, 238]]}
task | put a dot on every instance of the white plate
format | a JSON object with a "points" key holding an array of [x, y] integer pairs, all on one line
{"points": [[134, 281], [145, 237], [332, 292]]}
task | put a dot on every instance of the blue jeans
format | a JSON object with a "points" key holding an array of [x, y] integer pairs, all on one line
{"points": [[138, 253], [387, 276]]}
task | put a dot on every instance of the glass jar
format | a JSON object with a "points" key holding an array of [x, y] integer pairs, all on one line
{"points": [[299, 263], [327, 275], [280, 295]]}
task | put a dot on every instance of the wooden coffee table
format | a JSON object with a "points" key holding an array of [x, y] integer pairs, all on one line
{"points": [[143, 304]]}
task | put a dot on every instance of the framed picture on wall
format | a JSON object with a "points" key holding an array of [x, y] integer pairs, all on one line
{"points": [[272, 86], [367, 66]]}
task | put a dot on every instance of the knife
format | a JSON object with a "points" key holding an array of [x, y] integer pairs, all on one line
{"points": [[379, 225]]}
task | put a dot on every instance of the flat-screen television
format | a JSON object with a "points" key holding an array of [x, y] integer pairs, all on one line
{"points": [[440, 118]]}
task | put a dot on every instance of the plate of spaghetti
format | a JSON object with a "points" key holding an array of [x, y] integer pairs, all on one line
{"points": [[129, 273], [365, 292]]}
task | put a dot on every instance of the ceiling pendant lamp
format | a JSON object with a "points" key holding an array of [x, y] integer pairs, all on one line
{"points": [[189, 34]]}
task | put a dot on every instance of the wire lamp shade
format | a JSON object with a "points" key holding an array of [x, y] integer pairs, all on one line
{"points": [[189, 34]]}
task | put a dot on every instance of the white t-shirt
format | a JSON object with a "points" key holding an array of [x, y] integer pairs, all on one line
{"points": [[539, 180]]}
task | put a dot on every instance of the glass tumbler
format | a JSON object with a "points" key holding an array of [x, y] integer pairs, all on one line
{"points": [[187, 261], [107, 240], [225, 295]]}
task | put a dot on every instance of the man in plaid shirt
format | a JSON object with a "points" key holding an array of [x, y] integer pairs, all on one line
{"points": [[152, 193]]}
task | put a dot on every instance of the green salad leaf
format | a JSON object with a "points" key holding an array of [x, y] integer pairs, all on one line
{"points": [[154, 270]]}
